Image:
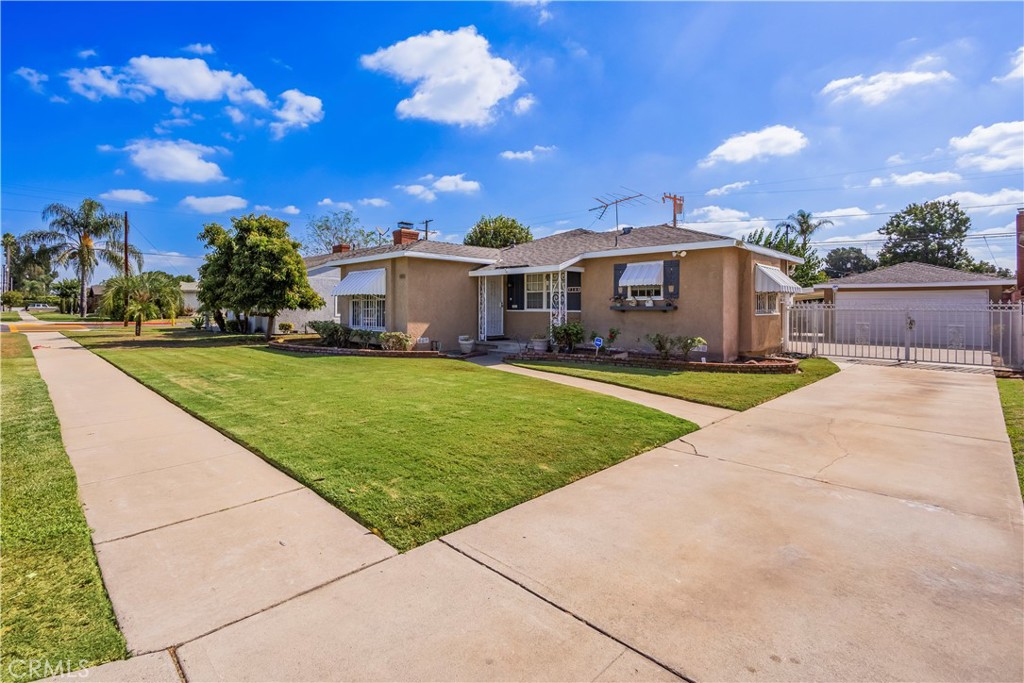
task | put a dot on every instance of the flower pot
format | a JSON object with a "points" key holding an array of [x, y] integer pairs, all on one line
{"points": [[466, 346], [649, 303], [539, 345]]}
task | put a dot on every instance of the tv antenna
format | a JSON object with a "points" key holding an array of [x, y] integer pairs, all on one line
{"points": [[677, 207], [612, 199], [381, 235]]}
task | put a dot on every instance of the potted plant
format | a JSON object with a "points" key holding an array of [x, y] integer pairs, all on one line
{"points": [[539, 342], [466, 344], [649, 303], [631, 301]]}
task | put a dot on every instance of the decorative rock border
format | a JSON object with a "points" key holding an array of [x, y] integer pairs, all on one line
{"points": [[333, 351], [776, 366]]}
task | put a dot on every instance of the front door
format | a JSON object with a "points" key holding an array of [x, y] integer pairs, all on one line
{"points": [[495, 307]]}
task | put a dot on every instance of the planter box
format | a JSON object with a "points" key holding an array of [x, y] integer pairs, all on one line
{"points": [[780, 366], [334, 351]]}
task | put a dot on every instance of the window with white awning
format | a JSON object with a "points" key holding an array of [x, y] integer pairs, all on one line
{"points": [[362, 282], [366, 304], [643, 280], [770, 283]]}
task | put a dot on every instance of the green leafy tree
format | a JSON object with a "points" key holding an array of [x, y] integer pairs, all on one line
{"points": [[337, 227], [989, 269], [806, 274], [10, 243], [149, 295], [254, 269], [932, 232], [844, 261], [12, 298], [82, 237], [497, 232], [67, 289]]}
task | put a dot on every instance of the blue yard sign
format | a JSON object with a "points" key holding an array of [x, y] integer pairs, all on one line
{"points": [[598, 343]]}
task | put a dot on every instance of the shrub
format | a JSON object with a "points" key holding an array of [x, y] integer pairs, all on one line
{"points": [[13, 298], [235, 326], [396, 341], [198, 322], [688, 344], [662, 343], [331, 333], [363, 337], [567, 335], [285, 328]]}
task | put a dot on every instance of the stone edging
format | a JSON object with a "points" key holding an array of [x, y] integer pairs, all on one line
{"points": [[781, 366], [332, 351]]}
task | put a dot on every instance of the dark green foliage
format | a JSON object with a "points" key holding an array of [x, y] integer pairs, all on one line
{"points": [[932, 232], [332, 333], [567, 335], [845, 261], [497, 232]]}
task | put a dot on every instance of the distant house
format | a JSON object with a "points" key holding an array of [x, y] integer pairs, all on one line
{"points": [[322, 278], [640, 280], [93, 296], [190, 296], [915, 284]]}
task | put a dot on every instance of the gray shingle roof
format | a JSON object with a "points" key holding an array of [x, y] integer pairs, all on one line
{"points": [[913, 274], [556, 249], [317, 260], [423, 247]]}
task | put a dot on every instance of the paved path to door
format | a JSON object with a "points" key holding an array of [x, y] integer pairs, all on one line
{"points": [[865, 527], [698, 413]]}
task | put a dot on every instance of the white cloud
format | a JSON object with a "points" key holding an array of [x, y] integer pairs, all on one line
{"points": [[220, 204], [1016, 71], [841, 217], [524, 104], [457, 79], [298, 111], [896, 159], [262, 207], [34, 78], [529, 154], [915, 178], [768, 142], [331, 204], [98, 82], [419, 191], [129, 196], [58, 99], [878, 88], [291, 210], [732, 222], [1005, 200], [85, 54], [182, 80], [999, 147], [235, 114], [726, 189], [174, 160], [455, 183], [374, 201], [539, 6], [199, 49]]}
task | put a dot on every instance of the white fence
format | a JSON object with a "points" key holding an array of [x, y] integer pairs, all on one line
{"points": [[991, 334]]}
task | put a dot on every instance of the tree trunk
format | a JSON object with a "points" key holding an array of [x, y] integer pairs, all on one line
{"points": [[270, 324], [81, 290], [218, 317], [138, 327]]}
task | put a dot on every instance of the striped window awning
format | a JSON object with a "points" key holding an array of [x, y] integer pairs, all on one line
{"points": [[772, 279], [362, 282], [644, 274]]}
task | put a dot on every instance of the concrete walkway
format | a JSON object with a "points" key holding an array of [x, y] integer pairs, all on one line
{"points": [[28, 317], [867, 527], [698, 413]]}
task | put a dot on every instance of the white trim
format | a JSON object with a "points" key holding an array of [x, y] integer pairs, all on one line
{"points": [[772, 279], [408, 254], [919, 285], [637, 251], [765, 251], [524, 270]]}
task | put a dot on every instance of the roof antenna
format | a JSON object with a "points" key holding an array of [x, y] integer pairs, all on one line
{"points": [[426, 227], [613, 200]]}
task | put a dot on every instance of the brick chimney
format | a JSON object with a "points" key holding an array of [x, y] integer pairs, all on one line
{"points": [[1020, 251], [405, 236], [341, 248]]}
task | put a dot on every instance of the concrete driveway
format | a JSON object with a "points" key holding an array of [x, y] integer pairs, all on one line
{"points": [[867, 527]]}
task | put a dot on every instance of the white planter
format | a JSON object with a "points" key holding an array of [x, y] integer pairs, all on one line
{"points": [[466, 346], [539, 345], [649, 303]]}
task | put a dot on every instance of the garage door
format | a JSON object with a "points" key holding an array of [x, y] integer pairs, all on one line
{"points": [[938, 318]]}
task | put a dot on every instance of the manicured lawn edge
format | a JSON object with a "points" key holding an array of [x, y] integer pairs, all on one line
{"points": [[56, 610], [737, 402], [1011, 395]]}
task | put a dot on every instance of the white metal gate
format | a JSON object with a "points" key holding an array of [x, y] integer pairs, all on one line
{"points": [[495, 307], [992, 334]]}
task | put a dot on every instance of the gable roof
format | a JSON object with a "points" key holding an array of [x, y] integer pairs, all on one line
{"points": [[424, 248], [317, 260], [914, 273]]}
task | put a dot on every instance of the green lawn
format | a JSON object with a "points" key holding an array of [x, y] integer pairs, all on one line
{"points": [[723, 389], [9, 317], [55, 607], [1011, 393], [413, 448], [71, 317]]}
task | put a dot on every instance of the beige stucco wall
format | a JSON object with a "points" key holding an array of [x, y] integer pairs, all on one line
{"points": [[442, 300], [759, 334]]}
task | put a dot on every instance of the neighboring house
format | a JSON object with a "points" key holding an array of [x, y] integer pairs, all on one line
{"points": [[640, 280], [92, 297], [322, 278], [915, 284], [190, 296]]}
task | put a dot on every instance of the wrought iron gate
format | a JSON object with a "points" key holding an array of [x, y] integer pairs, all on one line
{"points": [[991, 335]]}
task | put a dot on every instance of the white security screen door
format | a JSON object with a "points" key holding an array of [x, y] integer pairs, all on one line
{"points": [[495, 307]]}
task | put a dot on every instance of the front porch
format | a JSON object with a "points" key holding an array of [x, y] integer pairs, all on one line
{"points": [[521, 302]]}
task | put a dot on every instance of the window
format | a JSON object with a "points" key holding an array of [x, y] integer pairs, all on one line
{"points": [[538, 295], [537, 290], [767, 303], [337, 307], [367, 312], [645, 292]]}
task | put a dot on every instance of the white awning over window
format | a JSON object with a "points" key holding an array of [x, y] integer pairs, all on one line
{"points": [[772, 279], [642, 274], [361, 282]]}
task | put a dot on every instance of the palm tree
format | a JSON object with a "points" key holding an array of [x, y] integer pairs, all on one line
{"points": [[83, 237], [149, 295], [10, 242], [803, 224]]}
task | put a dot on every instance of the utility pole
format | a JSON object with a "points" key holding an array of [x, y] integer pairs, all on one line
{"points": [[677, 207], [426, 227], [126, 273]]}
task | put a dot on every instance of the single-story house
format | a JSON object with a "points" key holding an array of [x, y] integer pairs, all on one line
{"points": [[190, 296], [322, 278], [640, 280], [93, 295], [915, 284]]}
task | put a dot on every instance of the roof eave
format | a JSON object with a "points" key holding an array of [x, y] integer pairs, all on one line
{"points": [[917, 285], [410, 254]]}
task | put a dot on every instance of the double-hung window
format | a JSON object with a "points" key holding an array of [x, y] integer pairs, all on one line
{"points": [[367, 312], [645, 292], [766, 303], [538, 291]]}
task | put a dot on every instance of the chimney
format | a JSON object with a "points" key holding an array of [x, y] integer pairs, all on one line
{"points": [[341, 248], [1020, 250], [405, 233]]}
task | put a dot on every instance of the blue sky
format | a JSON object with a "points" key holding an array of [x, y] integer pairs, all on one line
{"points": [[185, 113]]}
